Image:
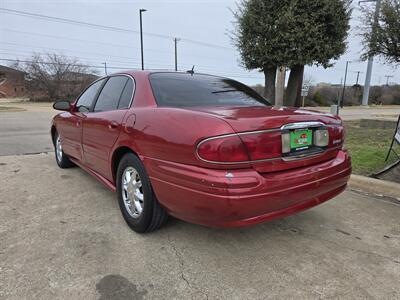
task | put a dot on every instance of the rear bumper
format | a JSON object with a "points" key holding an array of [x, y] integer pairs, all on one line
{"points": [[209, 197]]}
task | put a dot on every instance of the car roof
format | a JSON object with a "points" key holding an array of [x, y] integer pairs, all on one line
{"points": [[146, 73]]}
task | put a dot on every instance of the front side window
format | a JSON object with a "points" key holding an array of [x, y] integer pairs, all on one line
{"points": [[110, 94], [86, 100], [186, 90]]}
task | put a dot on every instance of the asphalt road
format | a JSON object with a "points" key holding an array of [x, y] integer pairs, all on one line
{"points": [[25, 132], [62, 237]]}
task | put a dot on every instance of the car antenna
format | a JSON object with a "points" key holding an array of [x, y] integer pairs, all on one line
{"points": [[191, 71]]}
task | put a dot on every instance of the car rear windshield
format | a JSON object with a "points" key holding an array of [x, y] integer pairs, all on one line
{"points": [[186, 90]]}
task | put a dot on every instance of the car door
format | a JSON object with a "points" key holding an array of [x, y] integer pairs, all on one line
{"points": [[102, 126], [71, 125]]}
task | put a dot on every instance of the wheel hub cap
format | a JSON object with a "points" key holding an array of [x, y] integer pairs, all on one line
{"points": [[59, 152], [132, 192]]}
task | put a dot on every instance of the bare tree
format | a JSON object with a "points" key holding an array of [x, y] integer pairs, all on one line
{"points": [[55, 76], [308, 80]]}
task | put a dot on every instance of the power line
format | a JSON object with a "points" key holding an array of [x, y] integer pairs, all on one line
{"points": [[125, 67], [128, 60], [76, 65], [81, 40], [103, 55], [106, 44], [102, 27], [28, 54]]}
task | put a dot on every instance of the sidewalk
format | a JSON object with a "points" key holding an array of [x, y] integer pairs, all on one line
{"points": [[387, 112]]}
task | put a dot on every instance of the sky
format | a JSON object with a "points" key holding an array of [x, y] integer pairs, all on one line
{"points": [[203, 27]]}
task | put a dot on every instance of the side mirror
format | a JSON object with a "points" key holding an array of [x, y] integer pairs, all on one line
{"points": [[62, 105]]}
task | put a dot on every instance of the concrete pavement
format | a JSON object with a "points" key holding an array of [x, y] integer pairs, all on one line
{"points": [[62, 237], [351, 113]]}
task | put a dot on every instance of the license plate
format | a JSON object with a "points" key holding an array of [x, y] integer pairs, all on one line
{"points": [[300, 139]]}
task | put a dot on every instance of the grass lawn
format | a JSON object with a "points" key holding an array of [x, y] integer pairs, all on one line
{"points": [[368, 147], [10, 109]]}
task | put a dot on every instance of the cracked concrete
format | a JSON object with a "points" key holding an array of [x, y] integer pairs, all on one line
{"points": [[62, 237], [182, 267]]}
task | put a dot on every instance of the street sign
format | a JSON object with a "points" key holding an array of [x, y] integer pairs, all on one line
{"points": [[396, 138], [304, 93], [304, 90]]}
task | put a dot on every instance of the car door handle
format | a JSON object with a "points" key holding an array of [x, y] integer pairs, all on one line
{"points": [[113, 126]]}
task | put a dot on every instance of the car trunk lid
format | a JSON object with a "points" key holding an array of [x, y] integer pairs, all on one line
{"points": [[275, 121]]}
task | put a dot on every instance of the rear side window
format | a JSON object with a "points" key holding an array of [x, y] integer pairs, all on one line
{"points": [[86, 100], [185, 90], [126, 97], [110, 94]]}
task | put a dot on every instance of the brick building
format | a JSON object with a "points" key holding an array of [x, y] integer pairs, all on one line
{"points": [[12, 83]]}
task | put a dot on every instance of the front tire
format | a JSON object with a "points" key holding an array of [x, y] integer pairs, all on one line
{"points": [[61, 158], [138, 204]]}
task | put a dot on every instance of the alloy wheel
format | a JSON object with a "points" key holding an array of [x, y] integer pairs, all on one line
{"points": [[132, 192], [59, 151]]}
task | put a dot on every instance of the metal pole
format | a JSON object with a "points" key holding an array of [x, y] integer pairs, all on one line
{"points": [[105, 67], [387, 79], [371, 58], [341, 100], [176, 53], [358, 76], [141, 35]]}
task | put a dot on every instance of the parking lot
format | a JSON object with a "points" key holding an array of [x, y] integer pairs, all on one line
{"points": [[62, 237]]}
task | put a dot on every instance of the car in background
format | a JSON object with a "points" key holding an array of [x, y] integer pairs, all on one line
{"points": [[204, 149]]}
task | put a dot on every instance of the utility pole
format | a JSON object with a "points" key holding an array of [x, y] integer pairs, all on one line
{"points": [[338, 95], [387, 79], [371, 57], [344, 87], [141, 35], [358, 76], [105, 67], [176, 40], [280, 85]]}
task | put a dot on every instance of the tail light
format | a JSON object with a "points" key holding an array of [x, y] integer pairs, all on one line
{"points": [[227, 149], [263, 145], [239, 148], [336, 136]]}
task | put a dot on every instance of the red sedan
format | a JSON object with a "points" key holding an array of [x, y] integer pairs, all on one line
{"points": [[201, 148]]}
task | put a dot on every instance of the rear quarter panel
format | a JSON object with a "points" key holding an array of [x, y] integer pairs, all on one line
{"points": [[170, 134]]}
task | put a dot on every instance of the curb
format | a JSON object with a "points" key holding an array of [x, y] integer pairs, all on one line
{"points": [[375, 186]]}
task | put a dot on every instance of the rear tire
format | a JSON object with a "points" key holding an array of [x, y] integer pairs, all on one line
{"points": [[61, 158], [137, 201]]}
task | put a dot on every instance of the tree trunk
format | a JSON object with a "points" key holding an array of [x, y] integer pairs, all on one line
{"points": [[298, 101], [293, 91], [270, 78]]}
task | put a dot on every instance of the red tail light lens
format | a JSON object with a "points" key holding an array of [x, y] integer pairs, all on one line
{"points": [[336, 136], [263, 145], [241, 148], [229, 149]]}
